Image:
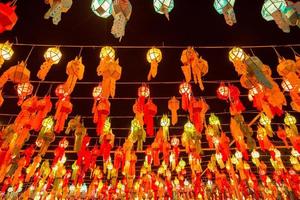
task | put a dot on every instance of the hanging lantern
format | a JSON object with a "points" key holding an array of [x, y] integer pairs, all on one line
{"points": [[264, 120], [255, 154], [8, 17], [182, 164], [56, 9], [60, 91], [272, 10], [185, 89], [225, 7], [102, 8], [175, 141], [6, 52], [163, 7], [97, 91], [165, 121], [223, 92], [23, 90], [214, 120], [237, 54], [286, 85], [173, 106], [289, 119], [107, 52], [238, 155], [143, 94], [154, 56], [52, 56], [254, 91]]}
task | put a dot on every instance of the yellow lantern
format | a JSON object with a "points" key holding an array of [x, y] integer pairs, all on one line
{"points": [[189, 127], [175, 141], [107, 52], [289, 120], [238, 155], [181, 164], [286, 85], [165, 121], [6, 52], [264, 120], [255, 154], [237, 54], [154, 56], [295, 153], [53, 54], [214, 120], [144, 91]]}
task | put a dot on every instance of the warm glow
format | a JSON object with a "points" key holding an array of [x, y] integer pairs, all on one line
{"points": [[53, 54], [24, 89], [154, 55], [107, 51], [289, 119], [237, 54], [6, 51], [144, 91], [102, 8], [185, 88]]}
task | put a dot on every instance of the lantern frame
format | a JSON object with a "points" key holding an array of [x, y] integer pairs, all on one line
{"points": [[185, 88], [6, 51], [143, 91], [24, 89], [53, 54], [160, 5], [107, 52], [102, 6], [237, 54], [290, 119], [154, 54]]}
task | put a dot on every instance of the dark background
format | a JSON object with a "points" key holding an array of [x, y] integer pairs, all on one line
{"points": [[192, 22]]}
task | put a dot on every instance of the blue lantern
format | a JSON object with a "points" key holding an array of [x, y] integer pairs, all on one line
{"points": [[225, 7]]}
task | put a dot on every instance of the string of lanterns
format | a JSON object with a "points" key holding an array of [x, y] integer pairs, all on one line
{"points": [[228, 173]]}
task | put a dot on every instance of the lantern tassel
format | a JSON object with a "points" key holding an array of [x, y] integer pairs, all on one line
{"points": [[44, 69], [153, 70], [186, 69]]}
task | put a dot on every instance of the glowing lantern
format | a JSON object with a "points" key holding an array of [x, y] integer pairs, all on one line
{"points": [[52, 56], [295, 153], [23, 90], [255, 154], [223, 92], [189, 127], [97, 91], [60, 91], [154, 56], [6, 52], [289, 120], [181, 164], [163, 7], [144, 91], [107, 52], [185, 90], [102, 8], [8, 17], [254, 91], [237, 54], [264, 120], [225, 7], [286, 85], [214, 120], [175, 141], [165, 121], [238, 155], [272, 10], [173, 106]]}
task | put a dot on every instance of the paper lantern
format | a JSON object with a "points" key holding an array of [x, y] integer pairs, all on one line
{"points": [[223, 92], [255, 154], [254, 91], [102, 8], [144, 91], [286, 85], [264, 120], [214, 120], [97, 91], [238, 155], [189, 127], [23, 90], [237, 54], [182, 164], [154, 56], [175, 141], [60, 91], [295, 153], [225, 7], [53, 54], [163, 7], [107, 52], [8, 17], [185, 89], [289, 119], [6, 52], [165, 121]]}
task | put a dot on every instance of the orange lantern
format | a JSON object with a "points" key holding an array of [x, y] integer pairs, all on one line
{"points": [[223, 91], [173, 106], [185, 89], [23, 90], [143, 93]]}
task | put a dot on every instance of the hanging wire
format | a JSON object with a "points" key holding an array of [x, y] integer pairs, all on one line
{"points": [[13, 2], [293, 50], [277, 53], [150, 46]]}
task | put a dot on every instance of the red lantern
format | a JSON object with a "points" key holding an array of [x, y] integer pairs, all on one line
{"points": [[185, 89], [143, 93], [149, 112], [8, 17], [23, 90], [223, 92], [60, 92], [102, 112]]}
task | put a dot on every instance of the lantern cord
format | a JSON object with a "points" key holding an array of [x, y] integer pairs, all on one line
{"points": [[13, 2], [252, 52], [32, 47], [295, 53], [277, 53], [49, 90], [37, 88], [161, 47], [81, 48]]}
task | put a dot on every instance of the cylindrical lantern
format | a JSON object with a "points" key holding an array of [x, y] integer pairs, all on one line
{"points": [[163, 6], [165, 121], [237, 54], [102, 8], [6, 52], [53, 54], [107, 52]]}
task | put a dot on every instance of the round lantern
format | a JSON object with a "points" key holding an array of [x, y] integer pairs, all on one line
{"points": [[48, 122], [223, 92], [53, 54], [189, 127], [23, 90], [60, 91], [154, 55], [175, 141], [97, 91], [6, 52], [102, 8], [214, 120], [237, 54], [238, 155], [289, 119], [264, 120], [286, 85], [255, 154], [107, 51], [271, 6], [163, 6], [165, 121], [181, 164], [185, 89], [144, 91]]}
